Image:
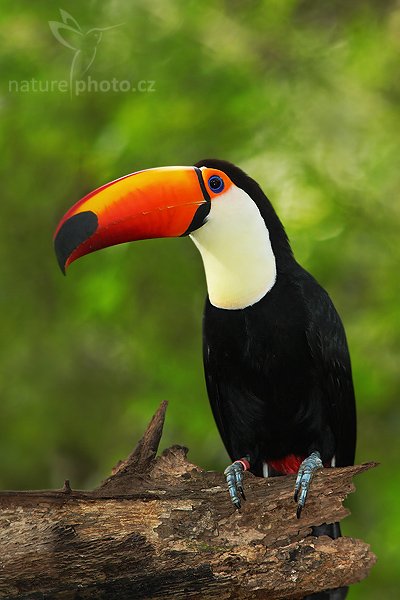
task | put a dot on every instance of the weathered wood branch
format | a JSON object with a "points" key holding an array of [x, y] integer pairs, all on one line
{"points": [[160, 527]]}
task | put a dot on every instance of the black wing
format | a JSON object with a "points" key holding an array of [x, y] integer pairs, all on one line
{"points": [[328, 346]]}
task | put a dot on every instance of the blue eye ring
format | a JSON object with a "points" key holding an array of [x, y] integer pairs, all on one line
{"points": [[216, 184]]}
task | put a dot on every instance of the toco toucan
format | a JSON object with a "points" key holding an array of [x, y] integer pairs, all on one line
{"points": [[276, 361]]}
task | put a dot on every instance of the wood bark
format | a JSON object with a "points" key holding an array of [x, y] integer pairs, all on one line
{"points": [[160, 527]]}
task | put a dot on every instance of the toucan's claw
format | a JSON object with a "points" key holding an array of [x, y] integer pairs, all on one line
{"points": [[240, 489], [304, 477], [234, 479]]}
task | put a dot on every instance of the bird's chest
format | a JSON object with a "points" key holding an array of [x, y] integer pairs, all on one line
{"points": [[260, 374], [258, 343], [259, 359]]}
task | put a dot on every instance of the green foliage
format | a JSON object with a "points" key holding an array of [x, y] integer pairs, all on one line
{"points": [[302, 95]]}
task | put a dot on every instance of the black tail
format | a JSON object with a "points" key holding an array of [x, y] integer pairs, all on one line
{"points": [[333, 531]]}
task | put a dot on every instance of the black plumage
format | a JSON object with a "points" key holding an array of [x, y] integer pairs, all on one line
{"points": [[278, 373]]}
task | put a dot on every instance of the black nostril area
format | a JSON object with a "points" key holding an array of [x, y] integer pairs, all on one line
{"points": [[72, 234]]}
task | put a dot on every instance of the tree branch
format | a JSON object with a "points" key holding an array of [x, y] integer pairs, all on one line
{"points": [[163, 528]]}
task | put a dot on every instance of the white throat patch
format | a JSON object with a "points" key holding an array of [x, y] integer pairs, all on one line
{"points": [[236, 250]]}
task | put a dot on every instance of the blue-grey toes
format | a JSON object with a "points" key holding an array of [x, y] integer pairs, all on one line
{"points": [[304, 477], [234, 479]]}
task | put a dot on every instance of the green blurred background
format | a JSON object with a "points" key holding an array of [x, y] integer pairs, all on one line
{"points": [[302, 95]]}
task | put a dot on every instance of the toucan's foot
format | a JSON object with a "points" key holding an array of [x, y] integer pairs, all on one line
{"points": [[304, 478], [234, 479]]}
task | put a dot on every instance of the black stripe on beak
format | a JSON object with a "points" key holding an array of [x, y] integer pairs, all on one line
{"points": [[202, 212]]}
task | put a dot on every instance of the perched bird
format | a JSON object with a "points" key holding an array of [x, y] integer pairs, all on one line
{"points": [[276, 361]]}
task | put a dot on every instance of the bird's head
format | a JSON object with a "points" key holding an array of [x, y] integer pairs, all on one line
{"points": [[222, 209]]}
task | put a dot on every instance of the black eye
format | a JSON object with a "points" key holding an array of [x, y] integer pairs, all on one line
{"points": [[216, 184]]}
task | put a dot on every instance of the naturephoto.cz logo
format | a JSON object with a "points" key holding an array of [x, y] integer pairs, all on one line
{"points": [[83, 45]]}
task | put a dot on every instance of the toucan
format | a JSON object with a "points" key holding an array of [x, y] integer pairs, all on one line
{"points": [[276, 360]]}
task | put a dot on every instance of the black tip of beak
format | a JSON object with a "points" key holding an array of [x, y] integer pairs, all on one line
{"points": [[72, 234]]}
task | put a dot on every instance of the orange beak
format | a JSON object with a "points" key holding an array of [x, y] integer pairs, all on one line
{"points": [[156, 203]]}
